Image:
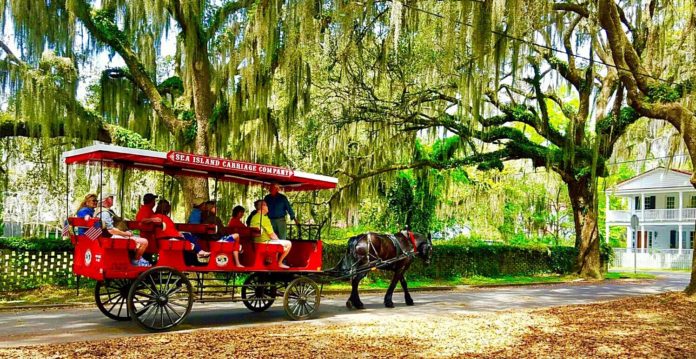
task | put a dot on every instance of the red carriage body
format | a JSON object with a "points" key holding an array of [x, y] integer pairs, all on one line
{"points": [[107, 259]]}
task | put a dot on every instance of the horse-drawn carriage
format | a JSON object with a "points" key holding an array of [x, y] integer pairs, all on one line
{"points": [[161, 297]]}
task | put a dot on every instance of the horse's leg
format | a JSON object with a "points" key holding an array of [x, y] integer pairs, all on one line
{"points": [[354, 299], [398, 274], [407, 295]]}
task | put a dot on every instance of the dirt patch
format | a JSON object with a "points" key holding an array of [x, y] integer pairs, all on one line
{"points": [[652, 326]]}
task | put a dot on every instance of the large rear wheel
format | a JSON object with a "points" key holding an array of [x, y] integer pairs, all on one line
{"points": [[301, 299], [160, 298], [258, 294], [111, 296]]}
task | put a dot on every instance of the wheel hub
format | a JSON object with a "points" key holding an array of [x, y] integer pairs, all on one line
{"points": [[162, 300]]}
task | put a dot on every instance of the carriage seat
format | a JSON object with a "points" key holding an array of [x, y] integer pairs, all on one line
{"points": [[266, 254], [147, 231], [197, 228], [105, 242], [261, 253]]}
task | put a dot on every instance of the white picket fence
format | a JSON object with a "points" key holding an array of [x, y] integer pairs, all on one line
{"points": [[653, 258]]}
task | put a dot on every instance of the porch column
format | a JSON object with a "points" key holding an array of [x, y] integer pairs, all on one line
{"points": [[606, 217], [680, 238], [642, 208], [681, 205], [643, 240]]}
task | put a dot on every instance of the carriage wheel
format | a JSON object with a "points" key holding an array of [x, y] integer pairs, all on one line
{"points": [[257, 294], [160, 298], [111, 295], [301, 299]]}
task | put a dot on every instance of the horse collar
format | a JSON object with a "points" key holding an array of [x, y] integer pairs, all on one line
{"points": [[413, 240]]}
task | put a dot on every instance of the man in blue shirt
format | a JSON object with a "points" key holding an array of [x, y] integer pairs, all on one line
{"points": [[278, 208], [195, 216]]}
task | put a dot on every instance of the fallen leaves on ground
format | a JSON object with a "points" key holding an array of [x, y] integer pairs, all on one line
{"points": [[651, 326]]}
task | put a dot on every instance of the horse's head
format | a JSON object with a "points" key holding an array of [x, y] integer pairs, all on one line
{"points": [[424, 246]]}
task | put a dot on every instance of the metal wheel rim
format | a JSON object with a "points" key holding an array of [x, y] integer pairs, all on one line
{"points": [[301, 299], [111, 297], [257, 300], [160, 298]]}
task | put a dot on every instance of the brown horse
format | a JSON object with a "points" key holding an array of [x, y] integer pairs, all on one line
{"points": [[383, 251]]}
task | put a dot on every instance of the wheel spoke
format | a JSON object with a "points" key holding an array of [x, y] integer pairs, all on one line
{"points": [[144, 309], [177, 304], [168, 279], [174, 311], [120, 307], [168, 316], [154, 286], [174, 292]]}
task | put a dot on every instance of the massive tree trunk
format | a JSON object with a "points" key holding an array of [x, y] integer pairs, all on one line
{"points": [[585, 215]]}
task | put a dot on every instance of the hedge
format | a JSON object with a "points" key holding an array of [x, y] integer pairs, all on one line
{"points": [[36, 244], [451, 261]]}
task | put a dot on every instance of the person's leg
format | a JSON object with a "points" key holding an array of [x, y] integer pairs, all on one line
{"points": [[140, 249], [280, 227], [194, 240], [235, 254], [287, 245]]}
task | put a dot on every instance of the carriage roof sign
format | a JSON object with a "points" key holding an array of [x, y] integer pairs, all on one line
{"points": [[189, 164], [221, 164]]}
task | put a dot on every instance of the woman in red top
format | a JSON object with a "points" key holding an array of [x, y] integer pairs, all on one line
{"points": [[168, 230], [236, 220]]}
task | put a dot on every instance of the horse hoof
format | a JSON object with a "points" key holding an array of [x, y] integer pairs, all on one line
{"points": [[410, 303], [389, 305], [359, 306], [349, 305]]}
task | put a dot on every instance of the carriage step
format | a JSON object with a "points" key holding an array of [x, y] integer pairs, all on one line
{"points": [[217, 300]]}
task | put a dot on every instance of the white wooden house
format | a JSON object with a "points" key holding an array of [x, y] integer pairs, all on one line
{"points": [[665, 202]]}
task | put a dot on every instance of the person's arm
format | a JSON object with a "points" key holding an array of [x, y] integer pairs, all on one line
{"points": [[288, 207], [268, 228], [152, 220], [105, 216], [119, 232]]}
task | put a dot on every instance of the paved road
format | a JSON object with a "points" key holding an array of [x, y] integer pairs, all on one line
{"points": [[77, 324]]}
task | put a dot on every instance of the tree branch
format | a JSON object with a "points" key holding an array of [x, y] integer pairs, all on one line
{"points": [[101, 25]]}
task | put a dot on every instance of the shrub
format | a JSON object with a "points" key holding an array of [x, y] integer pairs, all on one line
{"points": [[35, 244]]}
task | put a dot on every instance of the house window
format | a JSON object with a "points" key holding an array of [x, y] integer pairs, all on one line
{"points": [[692, 203], [637, 203], [650, 202], [670, 202], [673, 239]]}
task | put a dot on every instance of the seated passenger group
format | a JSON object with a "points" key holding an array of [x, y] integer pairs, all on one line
{"points": [[269, 219]]}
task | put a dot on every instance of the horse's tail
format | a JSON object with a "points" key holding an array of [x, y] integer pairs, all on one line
{"points": [[349, 258]]}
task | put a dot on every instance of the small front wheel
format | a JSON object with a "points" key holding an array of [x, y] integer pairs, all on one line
{"points": [[258, 294], [301, 299], [160, 298]]}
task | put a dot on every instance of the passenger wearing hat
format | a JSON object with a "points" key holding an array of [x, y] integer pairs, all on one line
{"points": [[146, 213], [115, 227]]}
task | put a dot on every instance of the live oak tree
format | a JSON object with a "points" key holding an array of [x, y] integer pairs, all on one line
{"points": [[218, 100], [653, 46], [472, 73]]}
